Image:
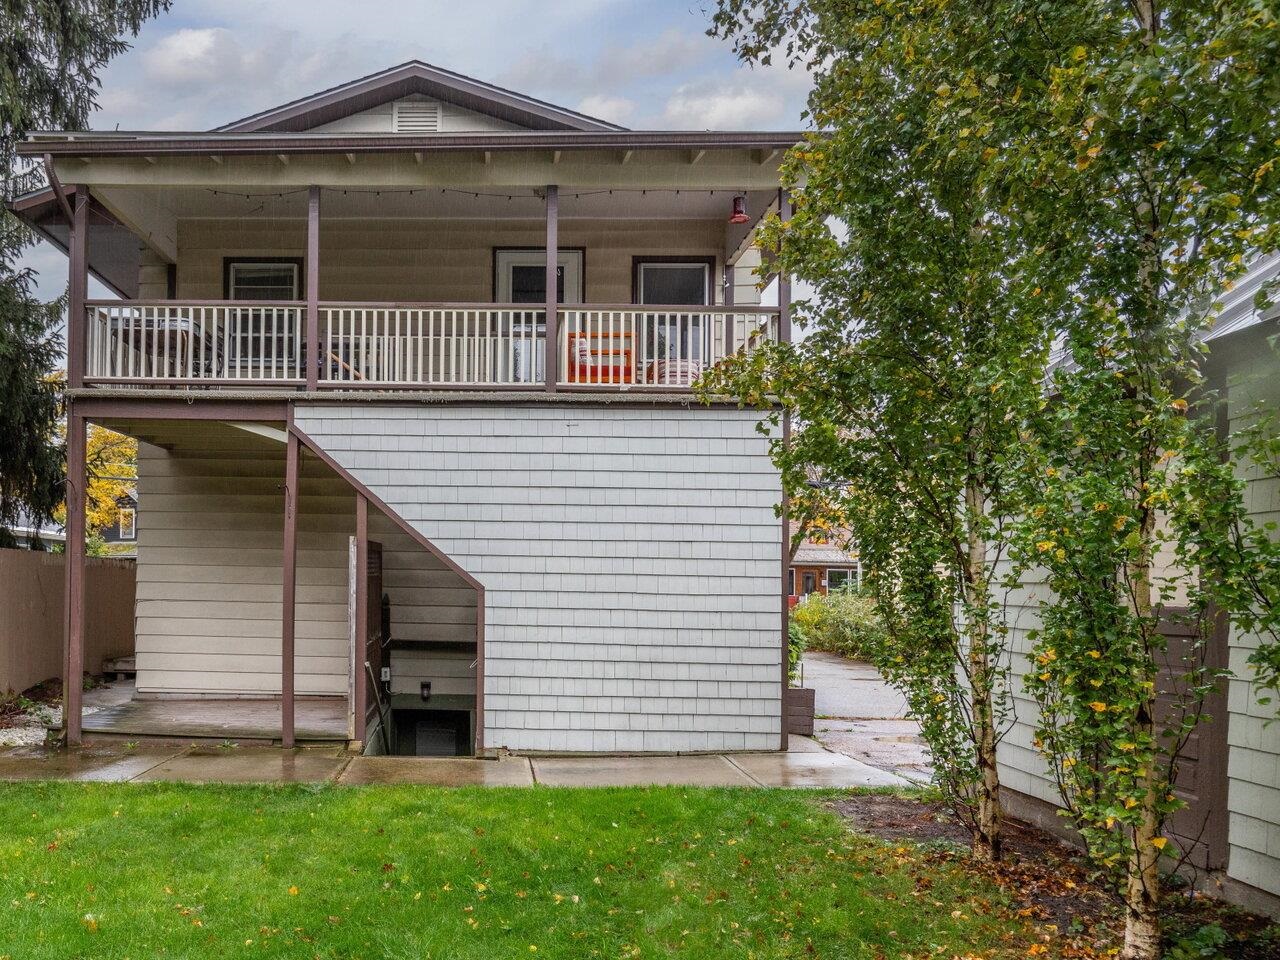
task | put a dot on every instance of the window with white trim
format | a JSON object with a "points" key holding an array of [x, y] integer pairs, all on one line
{"points": [[128, 524], [263, 335]]}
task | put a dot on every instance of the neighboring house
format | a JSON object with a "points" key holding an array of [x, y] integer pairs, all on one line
{"points": [[121, 536], [366, 485], [819, 565], [33, 536], [1230, 776]]}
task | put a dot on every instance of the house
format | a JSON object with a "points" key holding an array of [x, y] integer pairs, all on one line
{"points": [[819, 564], [411, 364], [29, 535], [121, 535], [1229, 775]]}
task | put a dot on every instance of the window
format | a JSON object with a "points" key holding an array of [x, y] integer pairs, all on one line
{"points": [[520, 275], [263, 336], [810, 583], [837, 579], [128, 524], [263, 280], [673, 338], [673, 283]]}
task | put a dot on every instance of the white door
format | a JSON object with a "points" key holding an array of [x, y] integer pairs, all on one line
{"points": [[522, 278]]}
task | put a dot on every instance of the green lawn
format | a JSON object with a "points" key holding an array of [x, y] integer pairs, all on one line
{"points": [[152, 870]]}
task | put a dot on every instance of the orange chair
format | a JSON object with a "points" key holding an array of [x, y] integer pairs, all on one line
{"points": [[601, 358]]}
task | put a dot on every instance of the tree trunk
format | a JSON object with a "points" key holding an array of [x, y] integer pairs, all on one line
{"points": [[1142, 885], [988, 815]]}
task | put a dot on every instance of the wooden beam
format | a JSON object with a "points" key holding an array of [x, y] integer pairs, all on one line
{"points": [[52, 176], [283, 158], [488, 157], [784, 335], [77, 288], [555, 156], [351, 158], [289, 594], [764, 157], [695, 156], [729, 321], [417, 156], [552, 346], [216, 159], [313, 288], [73, 603], [626, 156], [361, 616]]}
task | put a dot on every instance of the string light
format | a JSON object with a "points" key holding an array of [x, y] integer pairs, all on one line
{"points": [[474, 194]]}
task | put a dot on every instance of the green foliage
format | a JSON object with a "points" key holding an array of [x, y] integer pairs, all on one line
{"points": [[1205, 944], [797, 643], [925, 347], [50, 56], [843, 622]]}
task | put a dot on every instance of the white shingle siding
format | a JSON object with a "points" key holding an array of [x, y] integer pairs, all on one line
{"points": [[630, 558]]}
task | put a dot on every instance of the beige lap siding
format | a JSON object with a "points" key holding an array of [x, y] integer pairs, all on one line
{"points": [[629, 557], [434, 260], [210, 540]]}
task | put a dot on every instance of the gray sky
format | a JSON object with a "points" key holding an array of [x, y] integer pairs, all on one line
{"points": [[646, 64]]}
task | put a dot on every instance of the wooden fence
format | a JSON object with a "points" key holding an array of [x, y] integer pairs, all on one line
{"points": [[31, 615]]}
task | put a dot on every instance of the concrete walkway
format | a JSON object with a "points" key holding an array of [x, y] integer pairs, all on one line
{"points": [[859, 716], [807, 764]]}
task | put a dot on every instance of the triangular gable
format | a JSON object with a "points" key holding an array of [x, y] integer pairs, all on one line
{"points": [[418, 81]]}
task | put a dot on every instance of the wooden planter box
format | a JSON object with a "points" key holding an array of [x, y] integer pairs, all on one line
{"points": [[798, 709]]}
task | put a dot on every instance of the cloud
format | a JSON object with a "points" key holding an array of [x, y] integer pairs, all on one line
{"points": [[604, 107], [200, 57], [711, 105], [614, 67]]}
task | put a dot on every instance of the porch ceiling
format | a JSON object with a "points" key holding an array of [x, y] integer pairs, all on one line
{"points": [[147, 204]]}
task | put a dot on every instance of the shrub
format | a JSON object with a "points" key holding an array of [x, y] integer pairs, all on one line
{"points": [[844, 622], [796, 644]]}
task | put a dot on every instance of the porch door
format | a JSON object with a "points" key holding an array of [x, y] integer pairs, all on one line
{"points": [[520, 276], [364, 684]]}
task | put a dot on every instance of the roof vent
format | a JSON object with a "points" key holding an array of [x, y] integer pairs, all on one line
{"points": [[416, 116]]}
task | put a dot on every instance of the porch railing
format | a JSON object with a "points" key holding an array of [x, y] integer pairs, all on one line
{"points": [[193, 343], [445, 345]]}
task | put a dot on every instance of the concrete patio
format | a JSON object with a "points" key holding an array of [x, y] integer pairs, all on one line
{"points": [[806, 765]]}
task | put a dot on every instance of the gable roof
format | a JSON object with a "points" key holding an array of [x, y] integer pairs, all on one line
{"points": [[407, 79]]}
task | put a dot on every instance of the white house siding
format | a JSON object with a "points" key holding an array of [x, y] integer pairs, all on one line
{"points": [[1253, 764], [210, 535], [453, 119], [629, 556]]}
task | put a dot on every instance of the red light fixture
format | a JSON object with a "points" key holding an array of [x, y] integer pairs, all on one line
{"points": [[739, 214]]}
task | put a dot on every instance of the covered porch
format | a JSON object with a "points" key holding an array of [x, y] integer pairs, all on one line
{"points": [[277, 603]]}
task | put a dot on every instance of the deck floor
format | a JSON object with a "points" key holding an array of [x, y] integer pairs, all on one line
{"points": [[323, 719]]}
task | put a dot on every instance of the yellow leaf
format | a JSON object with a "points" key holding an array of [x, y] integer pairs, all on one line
{"points": [[1159, 842], [1098, 706], [293, 891]]}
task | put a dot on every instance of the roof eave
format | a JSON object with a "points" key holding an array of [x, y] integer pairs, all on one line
{"points": [[151, 145]]}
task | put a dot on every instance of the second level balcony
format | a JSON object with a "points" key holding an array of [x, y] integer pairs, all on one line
{"points": [[413, 345]]}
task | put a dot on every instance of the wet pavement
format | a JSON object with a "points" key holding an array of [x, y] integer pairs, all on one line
{"points": [[858, 715], [806, 765]]}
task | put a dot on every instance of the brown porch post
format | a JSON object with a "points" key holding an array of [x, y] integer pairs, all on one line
{"points": [[313, 287], [552, 363], [729, 321], [362, 614], [73, 662], [289, 573], [77, 287], [784, 335]]}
